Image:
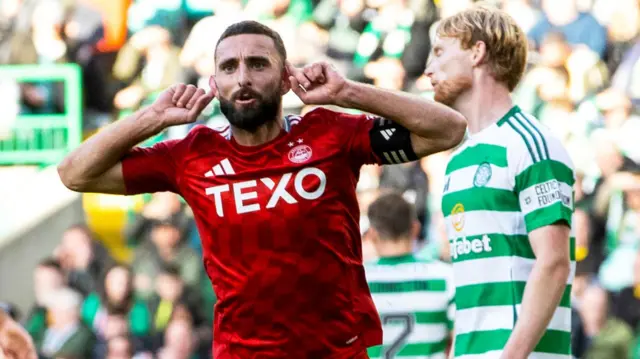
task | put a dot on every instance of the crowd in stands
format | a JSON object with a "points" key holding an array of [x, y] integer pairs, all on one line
{"points": [[89, 306], [582, 81]]}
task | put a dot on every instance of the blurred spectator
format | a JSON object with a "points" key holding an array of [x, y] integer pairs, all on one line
{"points": [[416, 52], [175, 300], [152, 50], [387, 33], [115, 325], [45, 46], [163, 207], [84, 32], [170, 294], [117, 298], [578, 27], [343, 21], [67, 335], [178, 341], [626, 75], [618, 176], [386, 73], [609, 337], [15, 31], [84, 259], [523, 11], [622, 19], [120, 347], [48, 278], [626, 303], [116, 331], [562, 78], [144, 13], [617, 117], [164, 248]]}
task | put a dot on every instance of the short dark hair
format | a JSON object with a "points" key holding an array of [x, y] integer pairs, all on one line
{"points": [[391, 216], [51, 263], [170, 269], [254, 28], [168, 223]]}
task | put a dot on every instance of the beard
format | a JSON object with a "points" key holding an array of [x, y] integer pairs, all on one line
{"points": [[449, 90], [249, 118]]}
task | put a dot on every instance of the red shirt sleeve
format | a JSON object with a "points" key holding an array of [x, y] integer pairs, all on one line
{"points": [[152, 169], [357, 138]]}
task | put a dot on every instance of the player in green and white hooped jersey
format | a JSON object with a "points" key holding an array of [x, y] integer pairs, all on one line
{"points": [[413, 296], [508, 198]]}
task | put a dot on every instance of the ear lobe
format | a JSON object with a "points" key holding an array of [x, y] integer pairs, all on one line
{"points": [[479, 53]]}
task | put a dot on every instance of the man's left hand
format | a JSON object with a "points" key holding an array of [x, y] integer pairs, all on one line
{"points": [[317, 84]]}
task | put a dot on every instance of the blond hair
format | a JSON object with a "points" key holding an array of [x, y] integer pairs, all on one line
{"points": [[505, 41]]}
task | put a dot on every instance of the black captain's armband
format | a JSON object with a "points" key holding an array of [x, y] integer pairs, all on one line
{"points": [[391, 142]]}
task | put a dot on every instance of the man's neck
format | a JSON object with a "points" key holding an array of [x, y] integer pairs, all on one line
{"points": [[484, 104], [394, 248], [265, 133]]}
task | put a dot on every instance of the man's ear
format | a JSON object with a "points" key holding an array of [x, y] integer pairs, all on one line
{"points": [[415, 229], [370, 235], [478, 53], [286, 84], [213, 85]]}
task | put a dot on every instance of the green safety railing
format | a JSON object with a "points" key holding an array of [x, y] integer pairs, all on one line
{"points": [[42, 139]]}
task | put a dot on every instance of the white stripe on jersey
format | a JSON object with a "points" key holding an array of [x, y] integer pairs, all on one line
{"points": [[496, 354], [410, 302], [422, 333], [496, 270], [501, 317], [407, 272]]}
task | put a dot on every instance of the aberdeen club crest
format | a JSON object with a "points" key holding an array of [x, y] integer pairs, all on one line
{"points": [[300, 153]]}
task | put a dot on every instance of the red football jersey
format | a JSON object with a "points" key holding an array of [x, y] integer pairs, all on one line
{"points": [[280, 233]]}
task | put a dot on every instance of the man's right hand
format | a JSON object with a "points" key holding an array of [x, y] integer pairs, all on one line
{"points": [[95, 166], [181, 104]]}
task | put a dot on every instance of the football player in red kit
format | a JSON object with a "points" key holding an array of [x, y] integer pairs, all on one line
{"points": [[274, 197]]}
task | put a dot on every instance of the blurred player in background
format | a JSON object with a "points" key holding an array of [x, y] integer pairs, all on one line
{"points": [[508, 198], [414, 297], [274, 197]]}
